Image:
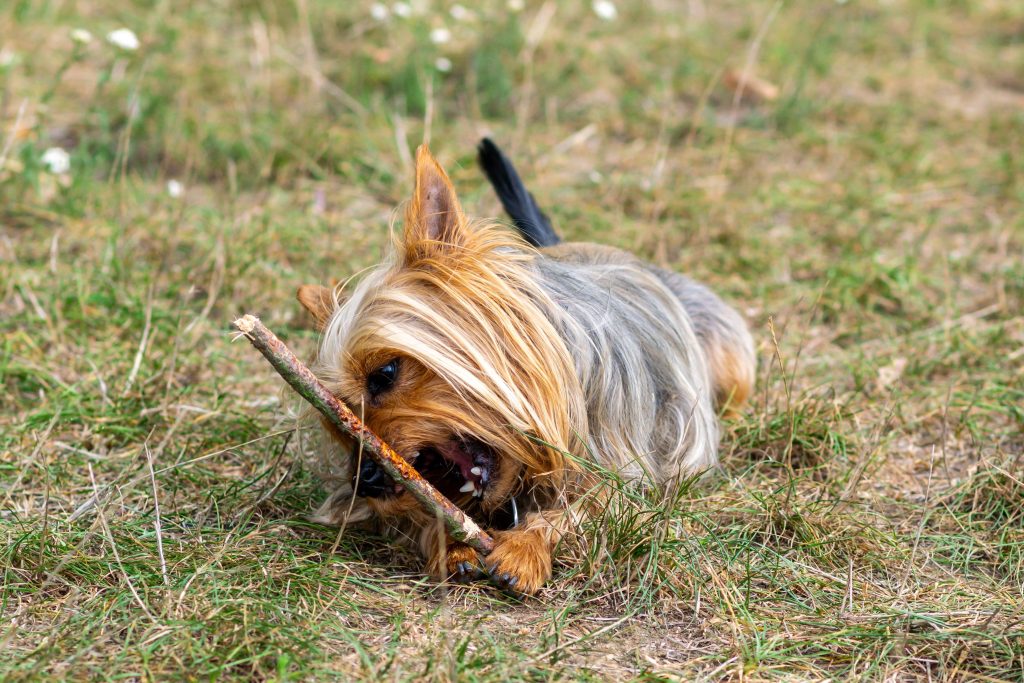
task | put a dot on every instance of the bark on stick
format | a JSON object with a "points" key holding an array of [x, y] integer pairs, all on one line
{"points": [[301, 379]]}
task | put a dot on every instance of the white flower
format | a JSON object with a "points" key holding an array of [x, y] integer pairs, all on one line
{"points": [[401, 9], [460, 13], [605, 9], [379, 11], [443, 64], [516, 5], [57, 160], [8, 58], [124, 38], [440, 35], [80, 35], [174, 188]]}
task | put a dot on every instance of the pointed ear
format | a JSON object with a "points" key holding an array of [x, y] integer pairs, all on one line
{"points": [[434, 215], [319, 301]]}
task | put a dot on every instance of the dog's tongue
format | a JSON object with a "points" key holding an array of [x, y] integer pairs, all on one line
{"points": [[456, 453]]}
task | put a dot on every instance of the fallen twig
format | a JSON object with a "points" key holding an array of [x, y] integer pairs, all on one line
{"points": [[300, 378]]}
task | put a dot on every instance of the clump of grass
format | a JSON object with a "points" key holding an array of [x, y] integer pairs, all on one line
{"points": [[646, 547], [993, 495], [816, 528], [989, 505], [809, 433], [632, 545]]}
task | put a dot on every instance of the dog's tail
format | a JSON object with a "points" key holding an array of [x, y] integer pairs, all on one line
{"points": [[518, 202]]}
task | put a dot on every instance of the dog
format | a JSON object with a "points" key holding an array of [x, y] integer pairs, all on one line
{"points": [[501, 362]]}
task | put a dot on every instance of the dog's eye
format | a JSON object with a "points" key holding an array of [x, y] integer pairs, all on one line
{"points": [[383, 378]]}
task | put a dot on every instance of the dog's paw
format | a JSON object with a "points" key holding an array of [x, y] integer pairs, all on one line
{"points": [[520, 562], [462, 563]]}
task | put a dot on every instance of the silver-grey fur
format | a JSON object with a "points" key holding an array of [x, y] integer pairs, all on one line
{"points": [[644, 341]]}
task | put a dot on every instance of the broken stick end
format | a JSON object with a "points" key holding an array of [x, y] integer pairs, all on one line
{"points": [[246, 323]]}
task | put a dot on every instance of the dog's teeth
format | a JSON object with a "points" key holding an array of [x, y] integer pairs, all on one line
{"points": [[478, 493], [476, 471], [467, 487], [415, 455]]}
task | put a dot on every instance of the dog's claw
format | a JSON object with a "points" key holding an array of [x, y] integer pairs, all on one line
{"points": [[462, 563], [466, 572], [506, 581]]}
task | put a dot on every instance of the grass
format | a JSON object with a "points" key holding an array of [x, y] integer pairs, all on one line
{"points": [[867, 520]]}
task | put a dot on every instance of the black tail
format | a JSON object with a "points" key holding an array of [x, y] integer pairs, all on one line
{"points": [[518, 202]]}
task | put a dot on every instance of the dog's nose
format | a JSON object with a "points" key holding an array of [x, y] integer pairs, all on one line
{"points": [[373, 481]]}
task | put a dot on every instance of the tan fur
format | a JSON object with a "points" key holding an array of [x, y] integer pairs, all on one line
{"points": [[469, 277], [461, 561], [733, 376], [319, 302], [521, 560], [522, 557]]}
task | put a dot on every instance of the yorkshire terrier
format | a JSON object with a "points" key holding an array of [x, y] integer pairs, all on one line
{"points": [[498, 362]]}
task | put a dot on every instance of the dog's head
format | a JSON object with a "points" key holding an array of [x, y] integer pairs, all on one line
{"points": [[447, 352]]}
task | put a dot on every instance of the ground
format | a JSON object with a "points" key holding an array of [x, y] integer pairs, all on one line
{"points": [[861, 205]]}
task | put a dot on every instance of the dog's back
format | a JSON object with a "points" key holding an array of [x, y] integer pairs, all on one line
{"points": [[644, 374], [724, 340], [722, 333]]}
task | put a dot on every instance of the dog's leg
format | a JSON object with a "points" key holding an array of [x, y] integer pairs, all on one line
{"points": [[521, 559], [461, 562], [732, 369], [448, 559]]}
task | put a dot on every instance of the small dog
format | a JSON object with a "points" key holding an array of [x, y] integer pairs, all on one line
{"points": [[499, 362]]}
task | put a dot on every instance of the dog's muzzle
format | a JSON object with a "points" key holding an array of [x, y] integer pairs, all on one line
{"points": [[373, 481]]}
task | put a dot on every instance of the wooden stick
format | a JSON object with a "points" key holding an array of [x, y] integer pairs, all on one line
{"points": [[459, 525]]}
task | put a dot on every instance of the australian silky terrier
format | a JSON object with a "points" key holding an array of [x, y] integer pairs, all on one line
{"points": [[499, 362]]}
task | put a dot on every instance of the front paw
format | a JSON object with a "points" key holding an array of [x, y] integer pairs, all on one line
{"points": [[462, 563], [520, 562]]}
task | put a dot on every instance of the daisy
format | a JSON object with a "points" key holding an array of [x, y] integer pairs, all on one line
{"points": [[605, 9], [124, 38], [56, 160]]}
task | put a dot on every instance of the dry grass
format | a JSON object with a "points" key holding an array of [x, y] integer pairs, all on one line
{"points": [[867, 521]]}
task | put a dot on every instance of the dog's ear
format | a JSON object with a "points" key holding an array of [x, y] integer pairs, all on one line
{"points": [[434, 217], [319, 301]]}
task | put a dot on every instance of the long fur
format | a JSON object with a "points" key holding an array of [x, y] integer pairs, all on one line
{"points": [[479, 320], [549, 357], [594, 356]]}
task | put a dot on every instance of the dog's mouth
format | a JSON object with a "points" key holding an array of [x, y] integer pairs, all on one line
{"points": [[456, 468], [460, 468]]}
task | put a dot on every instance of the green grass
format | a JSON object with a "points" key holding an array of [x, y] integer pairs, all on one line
{"points": [[867, 522]]}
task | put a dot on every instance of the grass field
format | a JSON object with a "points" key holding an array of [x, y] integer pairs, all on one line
{"points": [[868, 519]]}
